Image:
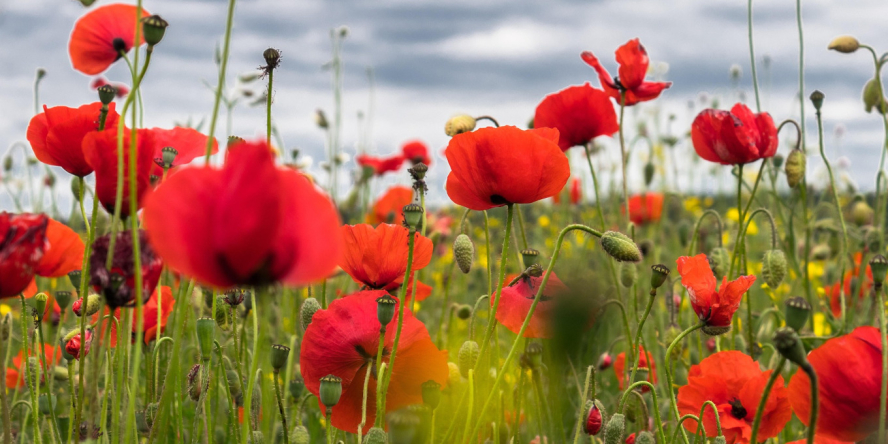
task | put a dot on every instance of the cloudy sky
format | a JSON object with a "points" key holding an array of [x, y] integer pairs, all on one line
{"points": [[435, 59]]}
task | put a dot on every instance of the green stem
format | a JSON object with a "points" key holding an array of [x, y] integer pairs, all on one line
{"points": [[583, 397], [521, 226], [815, 398], [637, 353], [329, 425], [738, 244], [623, 159], [491, 317], [755, 85], [669, 383], [254, 366], [280, 402], [801, 70], [660, 433], [268, 111], [680, 425], [221, 83], [760, 410], [32, 380], [4, 404]]}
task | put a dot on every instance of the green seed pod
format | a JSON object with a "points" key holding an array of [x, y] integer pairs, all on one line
{"points": [[63, 298], [107, 93], [330, 390], [879, 267], [464, 311], [309, 308], [817, 99], [459, 124], [412, 216], [468, 356], [787, 342], [279, 354], [47, 403], [620, 247], [774, 268], [300, 435], [463, 252], [376, 435], [296, 386], [40, 300], [385, 309], [153, 28], [795, 167], [531, 257], [431, 393], [206, 331], [613, 432], [628, 274], [74, 277], [797, 312], [720, 439], [659, 273], [719, 261], [862, 213]]}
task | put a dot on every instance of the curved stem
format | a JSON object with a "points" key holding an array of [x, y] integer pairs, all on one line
{"points": [[221, 83], [738, 243], [491, 317], [672, 400], [655, 403], [764, 399], [680, 425], [637, 353], [718, 222], [583, 398], [718, 424], [628, 332], [815, 399], [495, 123]]}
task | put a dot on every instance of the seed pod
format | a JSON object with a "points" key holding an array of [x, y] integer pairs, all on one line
{"points": [[279, 354], [628, 274], [431, 393], [659, 273], [309, 308], [879, 267], [412, 216], [774, 268], [300, 435], [463, 252], [385, 309], [719, 261], [459, 124], [613, 432], [296, 386], [153, 28], [330, 390], [795, 167], [797, 312], [464, 311], [530, 256], [206, 331], [620, 247], [468, 356]]}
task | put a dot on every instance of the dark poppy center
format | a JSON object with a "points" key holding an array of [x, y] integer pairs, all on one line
{"points": [[496, 199], [119, 45], [737, 409]]}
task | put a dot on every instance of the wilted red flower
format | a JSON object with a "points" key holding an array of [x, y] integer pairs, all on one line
{"points": [[77, 347], [579, 113], [15, 374], [849, 376], [516, 300], [416, 151], [734, 382], [492, 167], [100, 150], [56, 135], [118, 284], [149, 317], [380, 165], [645, 360], [188, 143], [645, 207], [377, 257], [389, 208], [714, 307], [248, 223], [734, 138], [22, 246], [343, 341], [633, 60], [101, 35], [120, 89], [65, 251], [851, 277]]}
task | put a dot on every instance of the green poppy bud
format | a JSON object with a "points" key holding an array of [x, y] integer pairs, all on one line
{"points": [[817, 99], [46, 403], [40, 304], [195, 385], [873, 97], [862, 213], [300, 435], [534, 354], [206, 332], [464, 311], [879, 267], [648, 173], [659, 273], [719, 261], [468, 356], [613, 431], [412, 216], [463, 252], [797, 312], [821, 252], [376, 435], [531, 257], [645, 438], [330, 390], [628, 274], [279, 354], [788, 344], [309, 308], [620, 247], [774, 268], [795, 167], [234, 386]]}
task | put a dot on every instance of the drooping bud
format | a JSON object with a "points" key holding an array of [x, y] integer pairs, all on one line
{"points": [[797, 312], [107, 93], [648, 173], [645, 437], [605, 361], [40, 300], [788, 344], [817, 99], [309, 308], [628, 274], [154, 27], [873, 97], [795, 167], [279, 354], [774, 267], [206, 332], [620, 247], [321, 119], [659, 273], [376, 435], [431, 393], [464, 311], [300, 435], [844, 44], [592, 424], [76, 346], [464, 252], [385, 309], [613, 432], [330, 390], [879, 267], [861, 213], [412, 216], [468, 356], [530, 257], [719, 261], [93, 304], [234, 387], [459, 124]]}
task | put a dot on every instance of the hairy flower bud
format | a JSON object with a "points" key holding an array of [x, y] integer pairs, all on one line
{"points": [[795, 167], [861, 213], [300, 435], [620, 247], [93, 303], [195, 385], [309, 308], [376, 435], [774, 267], [719, 261], [592, 423], [873, 97], [613, 432], [464, 252], [464, 311], [468, 356], [845, 44], [459, 124]]}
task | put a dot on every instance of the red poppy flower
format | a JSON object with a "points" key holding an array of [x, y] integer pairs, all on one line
{"points": [[188, 143], [516, 300], [863, 288], [57, 133], [65, 251], [380, 165], [77, 347], [377, 257], [22, 246], [849, 374], [101, 34], [579, 113], [389, 208], [492, 167], [416, 151], [644, 361], [117, 284], [15, 374], [644, 208], [573, 190], [734, 382], [120, 89], [343, 341], [734, 138], [149, 317], [820, 440], [100, 150], [248, 223], [714, 307], [633, 60]]}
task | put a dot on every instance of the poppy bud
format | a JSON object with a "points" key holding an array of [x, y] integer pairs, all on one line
{"points": [[861, 213], [628, 274], [376, 435], [464, 311], [330, 391], [154, 27], [412, 216], [431, 394], [142, 423], [40, 305], [605, 361], [272, 58], [385, 309], [797, 312], [817, 99], [46, 403], [872, 239], [92, 305], [257, 437], [454, 376], [300, 435], [234, 386], [774, 267], [534, 353], [788, 344], [620, 247], [873, 98], [296, 386], [279, 354], [720, 439], [777, 161], [77, 346], [592, 425], [468, 356], [74, 277], [419, 171], [63, 298], [459, 124], [206, 330], [645, 438], [719, 261], [321, 119], [659, 273], [107, 93], [879, 266], [309, 308], [464, 252], [648, 173], [795, 167], [34, 372], [844, 44], [613, 432]]}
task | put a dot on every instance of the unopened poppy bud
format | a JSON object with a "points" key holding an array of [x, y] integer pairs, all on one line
{"points": [[777, 161], [797, 312], [154, 28], [385, 309], [645, 437], [464, 311], [648, 173], [535, 270], [534, 353], [272, 58], [468, 356], [107, 93], [719, 260], [419, 171], [464, 252], [34, 372], [76, 346], [330, 391], [40, 304], [206, 331], [46, 403], [620, 247], [844, 44], [300, 435], [592, 424], [605, 361], [530, 256], [628, 274], [412, 216], [817, 99], [234, 386], [257, 437], [613, 432], [861, 213], [321, 119], [93, 304], [309, 308], [788, 344], [774, 267], [795, 167], [459, 124], [873, 97], [720, 439], [659, 273], [235, 140], [821, 252], [279, 354], [879, 267], [63, 298], [376, 435], [194, 382], [74, 277], [431, 394]]}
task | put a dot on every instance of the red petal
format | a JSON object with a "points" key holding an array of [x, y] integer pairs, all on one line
{"points": [[633, 60], [580, 113], [65, 252]]}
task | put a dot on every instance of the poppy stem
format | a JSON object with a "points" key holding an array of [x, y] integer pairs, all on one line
{"points": [[637, 353], [491, 317], [661, 434], [739, 244], [489, 253], [583, 398], [4, 404], [714, 412], [254, 366], [623, 159], [680, 425], [469, 421], [268, 109], [521, 226], [55, 424], [801, 71], [329, 425], [610, 264], [760, 410], [815, 399], [628, 331], [755, 85], [221, 82], [542, 418], [669, 384], [32, 379], [883, 401], [280, 403]]}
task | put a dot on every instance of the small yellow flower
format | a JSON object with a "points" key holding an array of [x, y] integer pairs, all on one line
{"points": [[4, 309], [821, 328], [707, 202], [692, 205], [544, 221], [494, 222]]}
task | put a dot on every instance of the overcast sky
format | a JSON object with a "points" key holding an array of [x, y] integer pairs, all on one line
{"points": [[435, 59]]}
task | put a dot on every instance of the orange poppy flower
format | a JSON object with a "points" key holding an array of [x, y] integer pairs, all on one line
{"points": [[101, 35], [188, 143], [343, 341], [849, 376], [56, 135], [634, 61], [734, 382], [15, 374], [644, 208], [516, 300], [22, 245], [65, 252], [646, 361], [388, 209], [377, 257], [713, 307], [579, 113], [416, 151], [100, 150], [492, 167], [248, 223]]}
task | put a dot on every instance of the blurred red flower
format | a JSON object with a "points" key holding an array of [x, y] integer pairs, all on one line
{"points": [[101, 35], [117, 284], [645, 207], [15, 374], [380, 165], [516, 300], [633, 60], [416, 151], [735, 383], [579, 113], [573, 189], [734, 138], [851, 277], [389, 208], [149, 317], [343, 341], [56, 135], [644, 361], [100, 150], [64, 253], [22, 245], [492, 167], [714, 307], [188, 143], [377, 257], [248, 223]]}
